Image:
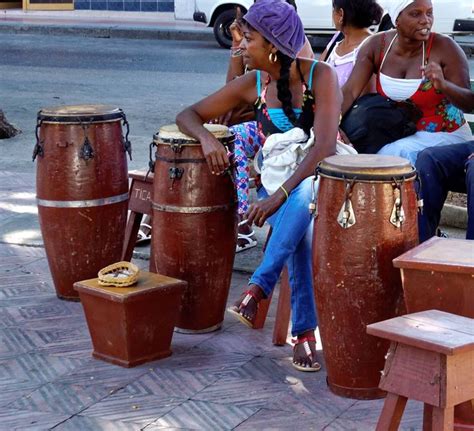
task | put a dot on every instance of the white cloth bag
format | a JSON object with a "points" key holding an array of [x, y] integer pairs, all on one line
{"points": [[283, 153]]}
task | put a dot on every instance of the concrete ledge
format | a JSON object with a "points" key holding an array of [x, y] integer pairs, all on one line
{"points": [[454, 216], [109, 31]]}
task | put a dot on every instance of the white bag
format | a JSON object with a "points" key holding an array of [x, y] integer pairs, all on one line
{"points": [[283, 153]]}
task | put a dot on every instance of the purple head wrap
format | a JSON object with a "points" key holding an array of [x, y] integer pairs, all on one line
{"points": [[278, 22]]}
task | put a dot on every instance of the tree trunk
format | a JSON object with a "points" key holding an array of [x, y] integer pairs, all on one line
{"points": [[6, 129]]}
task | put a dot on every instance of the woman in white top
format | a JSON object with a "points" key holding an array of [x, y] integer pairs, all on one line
{"points": [[352, 18], [430, 70]]}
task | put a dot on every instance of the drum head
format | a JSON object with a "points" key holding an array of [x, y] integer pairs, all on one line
{"points": [[171, 134], [366, 167], [78, 114]]}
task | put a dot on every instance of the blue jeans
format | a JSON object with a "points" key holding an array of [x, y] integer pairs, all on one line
{"points": [[444, 169], [291, 243], [410, 146]]}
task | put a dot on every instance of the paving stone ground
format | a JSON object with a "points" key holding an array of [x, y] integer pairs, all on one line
{"points": [[229, 379], [233, 378]]}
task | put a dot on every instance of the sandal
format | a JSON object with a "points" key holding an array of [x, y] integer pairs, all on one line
{"points": [[237, 310], [316, 366], [142, 236], [247, 241]]}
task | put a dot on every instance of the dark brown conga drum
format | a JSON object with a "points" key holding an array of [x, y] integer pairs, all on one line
{"points": [[194, 226], [366, 216], [82, 190]]}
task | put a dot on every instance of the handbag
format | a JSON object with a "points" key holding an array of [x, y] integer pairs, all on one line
{"points": [[374, 121]]}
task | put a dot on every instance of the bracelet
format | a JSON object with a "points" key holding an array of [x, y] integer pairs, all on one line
{"points": [[284, 191], [236, 52]]}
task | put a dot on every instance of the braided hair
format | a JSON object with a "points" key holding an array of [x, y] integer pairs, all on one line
{"points": [[283, 87], [292, 3]]}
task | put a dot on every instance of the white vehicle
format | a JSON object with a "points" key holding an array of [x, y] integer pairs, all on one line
{"points": [[451, 16]]}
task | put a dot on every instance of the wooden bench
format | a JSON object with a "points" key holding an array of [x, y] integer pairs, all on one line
{"points": [[431, 359]]}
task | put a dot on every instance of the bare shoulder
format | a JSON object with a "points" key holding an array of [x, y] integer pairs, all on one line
{"points": [[445, 50]]}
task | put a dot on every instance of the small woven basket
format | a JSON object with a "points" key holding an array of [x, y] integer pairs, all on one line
{"points": [[120, 274]]}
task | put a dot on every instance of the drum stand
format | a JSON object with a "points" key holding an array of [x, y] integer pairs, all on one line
{"points": [[140, 196]]}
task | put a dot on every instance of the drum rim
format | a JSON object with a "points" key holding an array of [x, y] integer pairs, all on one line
{"points": [[112, 115], [360, 177], [191, 142]]}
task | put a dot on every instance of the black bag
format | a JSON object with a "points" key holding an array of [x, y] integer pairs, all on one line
{"points": [[374, 121]]}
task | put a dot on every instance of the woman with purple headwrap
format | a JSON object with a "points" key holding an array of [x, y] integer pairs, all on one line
{"points": [[286, 93], [413, 64]]}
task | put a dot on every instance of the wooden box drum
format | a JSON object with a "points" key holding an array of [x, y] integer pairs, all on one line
{"points": [[194, 226], [82, 190], [366, 216]]}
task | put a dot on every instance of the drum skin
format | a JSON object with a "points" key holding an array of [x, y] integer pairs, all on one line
{"points": [[354, 279], [194, 234], [79, 241]]}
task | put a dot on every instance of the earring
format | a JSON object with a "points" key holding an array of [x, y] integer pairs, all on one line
{"points": [[272, 57]]}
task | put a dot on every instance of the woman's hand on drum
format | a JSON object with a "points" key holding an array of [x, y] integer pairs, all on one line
{"points": [[216, 155], [259, 211]]}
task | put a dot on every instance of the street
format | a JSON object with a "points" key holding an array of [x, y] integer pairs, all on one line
{"points": [[151, 80]]}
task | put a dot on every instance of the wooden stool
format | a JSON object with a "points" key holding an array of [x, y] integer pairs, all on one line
{"points": [[132, 325], [431, 359], [140, 196]]}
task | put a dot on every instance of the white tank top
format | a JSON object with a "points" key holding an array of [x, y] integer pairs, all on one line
{"points": [[399, 89]]}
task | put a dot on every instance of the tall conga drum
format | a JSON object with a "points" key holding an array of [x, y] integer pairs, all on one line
{"points": [[194, 226], [82, 190], [366, 216]]}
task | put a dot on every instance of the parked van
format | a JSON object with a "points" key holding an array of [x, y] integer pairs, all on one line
{"points": [[451, 16]]}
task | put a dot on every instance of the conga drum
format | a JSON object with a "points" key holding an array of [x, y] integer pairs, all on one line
{"points": [[82, 190], [366, 216], [194, 226]]}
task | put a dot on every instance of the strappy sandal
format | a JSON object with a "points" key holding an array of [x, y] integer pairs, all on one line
{"points": [[237, 311], [305, 341], [142, 236], [247, 241]]}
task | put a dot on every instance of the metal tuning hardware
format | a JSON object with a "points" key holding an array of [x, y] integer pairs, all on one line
{"points": [[397, 217], [346, 217], [38, 149], [175, 173], [127, 145], [87, 152]]}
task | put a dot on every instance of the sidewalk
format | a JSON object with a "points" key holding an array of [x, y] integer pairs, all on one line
{"points": [[132, 25], [229, 379]]}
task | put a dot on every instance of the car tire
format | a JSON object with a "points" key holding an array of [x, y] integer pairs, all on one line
{"points": [[221, 27]]}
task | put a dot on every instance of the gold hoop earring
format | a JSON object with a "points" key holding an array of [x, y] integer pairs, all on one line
{"points": [[272, 57]]}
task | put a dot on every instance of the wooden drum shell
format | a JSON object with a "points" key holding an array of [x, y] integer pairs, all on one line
{"points": [[354, 278], [194, 233], [82, 204]]}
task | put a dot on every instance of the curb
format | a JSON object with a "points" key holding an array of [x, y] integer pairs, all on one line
{"points": [[454, 216], [106, 32]]}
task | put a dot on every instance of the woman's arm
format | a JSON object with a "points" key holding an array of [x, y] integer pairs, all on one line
{"points": [[191, 119], [450, 74], [365, 66], [328, 101]]}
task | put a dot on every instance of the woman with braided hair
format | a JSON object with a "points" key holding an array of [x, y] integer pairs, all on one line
{"points": [[287, 93], [244, 127]]}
